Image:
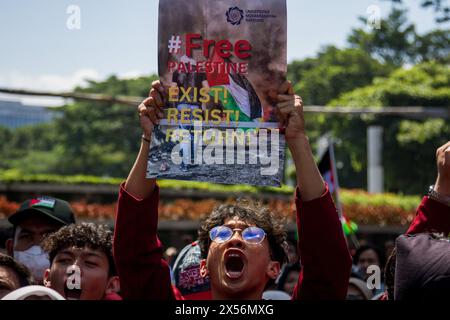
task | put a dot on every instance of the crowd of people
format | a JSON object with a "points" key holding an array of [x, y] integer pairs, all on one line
{"points": [[241, 251]]}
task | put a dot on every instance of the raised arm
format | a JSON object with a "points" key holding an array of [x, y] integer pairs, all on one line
{"points": [[324, 255], [290, 112], [150, 111], [433, 213], [138, 253]]}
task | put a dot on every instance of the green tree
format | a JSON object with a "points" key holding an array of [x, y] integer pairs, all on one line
{"points": [[87, 138], [397, 42], [433, 46], [100, 138], [29, 148], [440, 7], [333, 72], [392, 43], [5, 137], [409, 145]]}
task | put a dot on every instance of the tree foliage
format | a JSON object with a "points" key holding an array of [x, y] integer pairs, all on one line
{"points": [[332, 72], [397, 42], [409, 145], [440, 8], [87, 138]]}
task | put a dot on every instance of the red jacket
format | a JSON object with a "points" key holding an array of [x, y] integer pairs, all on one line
{"points": [[144, 274], [431, 216], [112, 296]]}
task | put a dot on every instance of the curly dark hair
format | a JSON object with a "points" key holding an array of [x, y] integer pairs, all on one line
{"points": [[389, 274], [250, 212], [91, 235], [22, 272]]}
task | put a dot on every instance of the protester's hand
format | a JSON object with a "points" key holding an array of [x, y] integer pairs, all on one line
{"points": [[290, 114], [151, 109], [150, 112], [443, 166], [290, 111]]}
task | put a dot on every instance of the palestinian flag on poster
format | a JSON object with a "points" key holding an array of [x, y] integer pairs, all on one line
{"points": [[327, 167], [241, 95]]}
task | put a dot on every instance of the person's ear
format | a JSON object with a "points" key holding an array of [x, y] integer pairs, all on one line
{"points": [[203, 268], [47, 282], [9, 245], [113, 285], [273, 269]]}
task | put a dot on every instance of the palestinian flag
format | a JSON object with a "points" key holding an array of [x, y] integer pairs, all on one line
{"points": [[241, 94], [43, 202], [327, 167], [229, 103]]}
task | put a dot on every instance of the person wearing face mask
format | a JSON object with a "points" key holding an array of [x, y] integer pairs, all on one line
{"points": [[36, 218]]}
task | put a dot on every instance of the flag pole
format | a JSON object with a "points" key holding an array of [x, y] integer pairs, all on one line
{"points": [[335, 176], [336, 186]]}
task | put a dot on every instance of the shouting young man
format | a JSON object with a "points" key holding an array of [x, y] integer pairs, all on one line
{"points": [[243, 245], [81, 263]]}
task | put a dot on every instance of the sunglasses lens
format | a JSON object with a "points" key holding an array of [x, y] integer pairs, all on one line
{"points": [[220, 234], [253, 235]]}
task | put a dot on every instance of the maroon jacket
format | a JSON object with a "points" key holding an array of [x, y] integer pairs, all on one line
{"points": [[144, 274], [112, 297], [431, 216]]}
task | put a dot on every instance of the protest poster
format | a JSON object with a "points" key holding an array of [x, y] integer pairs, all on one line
{"points": [[221, 63]]}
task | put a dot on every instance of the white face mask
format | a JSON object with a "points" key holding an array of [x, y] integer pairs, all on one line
{"points": [[35, 259]]}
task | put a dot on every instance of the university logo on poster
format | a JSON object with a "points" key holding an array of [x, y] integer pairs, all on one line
{"points": [[221, 63]]}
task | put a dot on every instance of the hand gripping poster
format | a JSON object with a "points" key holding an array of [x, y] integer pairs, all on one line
{"points": [[221, 63]]}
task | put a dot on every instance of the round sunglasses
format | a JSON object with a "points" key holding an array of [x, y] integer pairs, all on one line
{"points": [[252, 235]]}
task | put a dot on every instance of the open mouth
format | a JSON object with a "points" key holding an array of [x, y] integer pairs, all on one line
{"points": [[73, 294], [234, 264]]}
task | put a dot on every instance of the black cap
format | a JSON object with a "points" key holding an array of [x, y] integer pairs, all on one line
{"points": [[186, 271], [56, 209]]}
